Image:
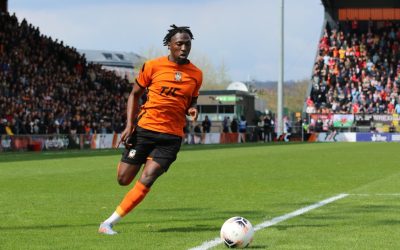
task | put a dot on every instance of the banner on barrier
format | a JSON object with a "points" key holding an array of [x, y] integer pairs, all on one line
{"points": [[107, 141], [336, 137], [101, 141], [378, 137], [55, 142], [212, 138]]}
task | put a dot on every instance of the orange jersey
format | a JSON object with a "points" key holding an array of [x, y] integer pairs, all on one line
{"points": [[170, 89]]}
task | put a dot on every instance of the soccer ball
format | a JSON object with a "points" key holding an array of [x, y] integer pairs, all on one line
{"points": [[237, 232]]}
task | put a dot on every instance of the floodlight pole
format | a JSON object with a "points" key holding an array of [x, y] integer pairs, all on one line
{"points": [[279, 120]]}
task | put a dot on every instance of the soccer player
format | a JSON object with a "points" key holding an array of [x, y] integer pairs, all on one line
{"points": [[154, 132]]}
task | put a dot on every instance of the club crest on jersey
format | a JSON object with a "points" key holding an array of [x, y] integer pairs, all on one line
{"points": [[178, 76], [132, 153]]}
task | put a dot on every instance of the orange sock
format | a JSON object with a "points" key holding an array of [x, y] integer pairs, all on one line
{"points": [[132, 198]]}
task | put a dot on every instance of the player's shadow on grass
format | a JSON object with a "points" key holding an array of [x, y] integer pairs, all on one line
{"points": [[192, 214], [197, 228], [237, 145], [388, 222], [244, 213], [325, 217], [285, 227], [44, 227], [257, 247], [372, 208], [177, 209]]}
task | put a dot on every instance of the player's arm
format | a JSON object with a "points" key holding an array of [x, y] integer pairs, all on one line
{"points": [[132, 110], [192, 110]]}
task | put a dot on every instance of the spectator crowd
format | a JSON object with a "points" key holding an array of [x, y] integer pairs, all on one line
{"points": [[357, 69], [47, 87]]}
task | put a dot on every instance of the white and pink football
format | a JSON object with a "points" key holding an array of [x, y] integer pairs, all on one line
{"points": [[237, 232]]}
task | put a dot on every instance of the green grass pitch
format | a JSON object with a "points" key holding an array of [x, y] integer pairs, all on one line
{"points": [[57, 200]]}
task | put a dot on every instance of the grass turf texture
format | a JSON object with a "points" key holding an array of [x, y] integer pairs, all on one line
{"points": [[57, 200]]}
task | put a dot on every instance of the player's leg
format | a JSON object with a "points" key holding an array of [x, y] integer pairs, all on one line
{"points": [[160, 158], [131, 161], [126, 172], [151, 172], [157, 163]]}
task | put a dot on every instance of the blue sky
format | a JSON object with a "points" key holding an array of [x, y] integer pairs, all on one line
{"points": [[243, 34]]}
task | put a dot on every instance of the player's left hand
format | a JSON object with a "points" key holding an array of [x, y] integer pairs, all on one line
{"points": [[193, 113]]}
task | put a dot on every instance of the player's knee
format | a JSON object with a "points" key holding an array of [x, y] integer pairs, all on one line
{"points": [[149, 178], [150, 173], [123, 181]]}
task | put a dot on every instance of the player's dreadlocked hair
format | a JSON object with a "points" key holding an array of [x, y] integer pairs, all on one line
{"points": [[175, 29]]}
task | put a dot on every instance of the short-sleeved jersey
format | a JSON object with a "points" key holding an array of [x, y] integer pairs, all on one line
{"points": [[170, 89]]}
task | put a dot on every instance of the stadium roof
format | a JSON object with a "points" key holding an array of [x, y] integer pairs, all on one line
{"points": [[3, 5], [336, 4], [362, 9], [112, 58]]}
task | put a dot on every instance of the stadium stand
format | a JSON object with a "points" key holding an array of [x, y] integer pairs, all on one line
{"points": [[47, 87], [357, 69]]}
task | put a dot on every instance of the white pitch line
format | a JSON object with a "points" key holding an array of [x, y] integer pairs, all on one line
{"points": [[212, 243], [378, 194]]}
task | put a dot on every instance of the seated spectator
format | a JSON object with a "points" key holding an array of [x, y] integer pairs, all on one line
{"points": [[49, 81], [360, 71]]}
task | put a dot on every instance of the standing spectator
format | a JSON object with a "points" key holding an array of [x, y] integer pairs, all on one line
{"points": [[226, 124], [305, 130], [260, 129], [397, 108], [319, 125], [3, 123], [206, 124], [267, 129], [197, 134], [297, 126], [10, 129], [287, 129], [242, 129], [102, 129], [65, 128], [80, 129], [234, 125]]}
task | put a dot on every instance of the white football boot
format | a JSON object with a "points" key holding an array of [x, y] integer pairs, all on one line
{"points": [[106, 228]]}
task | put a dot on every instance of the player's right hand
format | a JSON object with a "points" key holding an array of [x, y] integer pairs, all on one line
{"points": [[128, 131]]}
